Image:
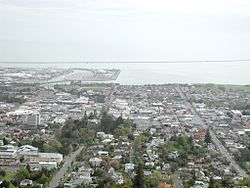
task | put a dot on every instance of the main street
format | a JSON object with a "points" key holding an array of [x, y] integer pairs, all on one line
{"points": [[215, 140], [63, 170]]}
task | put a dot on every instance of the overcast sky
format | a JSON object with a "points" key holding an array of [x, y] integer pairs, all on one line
{"points": [[51, 30]]}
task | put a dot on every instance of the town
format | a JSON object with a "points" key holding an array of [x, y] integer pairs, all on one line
{"points": [[77, 134]]}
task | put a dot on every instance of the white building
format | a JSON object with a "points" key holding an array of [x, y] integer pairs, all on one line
{"points": [[33, 118], [36, 157]]}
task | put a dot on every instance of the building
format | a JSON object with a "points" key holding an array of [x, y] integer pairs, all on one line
{"points": [[11, 155], [8, 158], [33, 119], [8, 155], [36, 157], [26, 183]]}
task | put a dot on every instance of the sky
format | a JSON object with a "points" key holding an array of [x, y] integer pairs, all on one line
{"points": [[124, 30]]}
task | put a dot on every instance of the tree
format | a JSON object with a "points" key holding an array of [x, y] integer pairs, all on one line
{"points": [[154, 180], [245, 182], [208, 138], [211, 183], [43, 179], [5, 141], [52, 146], [221, 87], [122, 131], [173, 166], [119, 120], [55, 126], [110, 185], [35, 175], [2, 172], [127, 123], [229, 114], [245, 155], [190, 141], [37, 142], [23, 173], [91, 115], [107, 123], [139, 181], [28, 167], [5, 184], [67, 149], [68, 128]]}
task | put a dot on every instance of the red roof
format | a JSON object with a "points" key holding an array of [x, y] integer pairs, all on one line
{"points": [[165, 184]]}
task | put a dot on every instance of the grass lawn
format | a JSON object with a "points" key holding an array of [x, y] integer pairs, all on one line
{"points": [[8, 177], [226, 87], [96, 88]]}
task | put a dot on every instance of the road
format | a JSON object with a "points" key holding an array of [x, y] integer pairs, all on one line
{"points": [[226, 154], [61, 173], [108, 103], [215, 140], [176, 180]]}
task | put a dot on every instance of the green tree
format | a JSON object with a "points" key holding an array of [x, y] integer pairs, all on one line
{"points": [[119, 120], [23, 173], [43, 179], [139, 181], [154, 180], [208, 138], [5, 141], [2, 172], [122, 131], [5, 184], [69, 149], [245, 182], [212, 183], [107, 123], [53, 145], [127, 123]]}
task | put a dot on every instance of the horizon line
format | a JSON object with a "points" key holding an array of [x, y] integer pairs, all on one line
{"points": [[128, 61]]}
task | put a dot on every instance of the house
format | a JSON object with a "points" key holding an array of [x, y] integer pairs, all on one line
{"points": [[166, 166], [74, 183], [165, 185], [129, 167], [236, 113], [173, 155], [85, 174], [95, 161], [26, 183], [103, 153], [147, 173], [116, 176]]}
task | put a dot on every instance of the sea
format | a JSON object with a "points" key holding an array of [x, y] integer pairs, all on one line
{"points": [[141, 73]]}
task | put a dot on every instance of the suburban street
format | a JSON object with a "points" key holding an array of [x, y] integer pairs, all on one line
{"points": [[176, 180], [68, 159], [60, 174], [215, 140], [229, 157]]}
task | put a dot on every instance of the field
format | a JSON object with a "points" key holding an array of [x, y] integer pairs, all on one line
{"points": [[224, 87], [8, 177]]}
